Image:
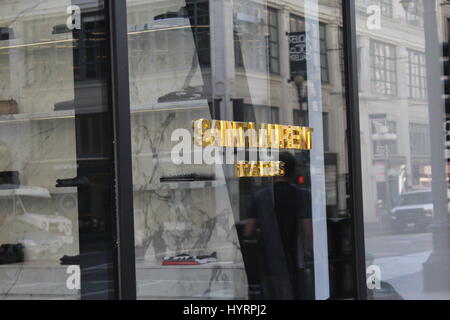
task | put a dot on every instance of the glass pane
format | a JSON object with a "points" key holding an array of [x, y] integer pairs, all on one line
{"points": [[204, 229], [56, 169], [404, 158]]}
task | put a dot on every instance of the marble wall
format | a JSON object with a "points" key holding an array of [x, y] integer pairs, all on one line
{"points": [[196, 218], [179, 217], [37, 72]]}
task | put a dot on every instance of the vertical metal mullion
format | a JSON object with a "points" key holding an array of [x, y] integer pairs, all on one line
{"points": [[354, 140], [126, 274]]}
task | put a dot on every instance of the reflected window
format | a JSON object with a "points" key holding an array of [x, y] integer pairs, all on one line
{"points": [[417, 75], [420, 137], [385, 7], [90, 58], [252, 21], [274, 62], [6, 33], [384, 70], [414, 13], [342, 55], [326, 132], [265, 114], [323, 53], [198, 11], [300, 118], [384, 137], [297, 26]]}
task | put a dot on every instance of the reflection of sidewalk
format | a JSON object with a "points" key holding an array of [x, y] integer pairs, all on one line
{"points": [[394, 267], [404, 273]]}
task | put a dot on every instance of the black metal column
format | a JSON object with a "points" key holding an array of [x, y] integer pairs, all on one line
{"points": [[122, 147], [354, 141]]}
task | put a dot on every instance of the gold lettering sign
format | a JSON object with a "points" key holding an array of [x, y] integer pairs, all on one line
{"points": [[219, 133], [231, 134], [247, 169]]}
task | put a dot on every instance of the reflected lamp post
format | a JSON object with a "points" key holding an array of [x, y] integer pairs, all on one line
{"points": [[383, 136]]}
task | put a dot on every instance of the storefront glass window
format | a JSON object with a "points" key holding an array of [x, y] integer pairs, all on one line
{"points": [[201, 230], [405, 193], [242, 164], [56, 161]]}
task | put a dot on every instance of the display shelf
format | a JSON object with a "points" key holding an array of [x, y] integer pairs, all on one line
{"points": [[142, 264], [17, 43], [39, 192], [66, 190], [179, 185], [43, 279], [25, 117], [47, 193], [168, 106], [25, 191], [68, 114]]}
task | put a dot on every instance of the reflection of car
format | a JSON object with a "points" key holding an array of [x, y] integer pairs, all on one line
{"points": [[41, 245], [414, 211], [42, 235], [49, 223]]}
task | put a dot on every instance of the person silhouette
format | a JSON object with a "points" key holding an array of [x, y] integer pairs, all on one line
{"points": [[282, 212]]}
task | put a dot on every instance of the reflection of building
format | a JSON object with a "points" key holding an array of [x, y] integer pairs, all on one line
{"points": [[392, 74]]}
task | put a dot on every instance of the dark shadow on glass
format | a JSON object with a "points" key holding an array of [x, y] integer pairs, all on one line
{"points": [[280, 222], [95, 166]]}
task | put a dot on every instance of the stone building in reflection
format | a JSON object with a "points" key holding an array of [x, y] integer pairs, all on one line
{"points": [[393, 103]]}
